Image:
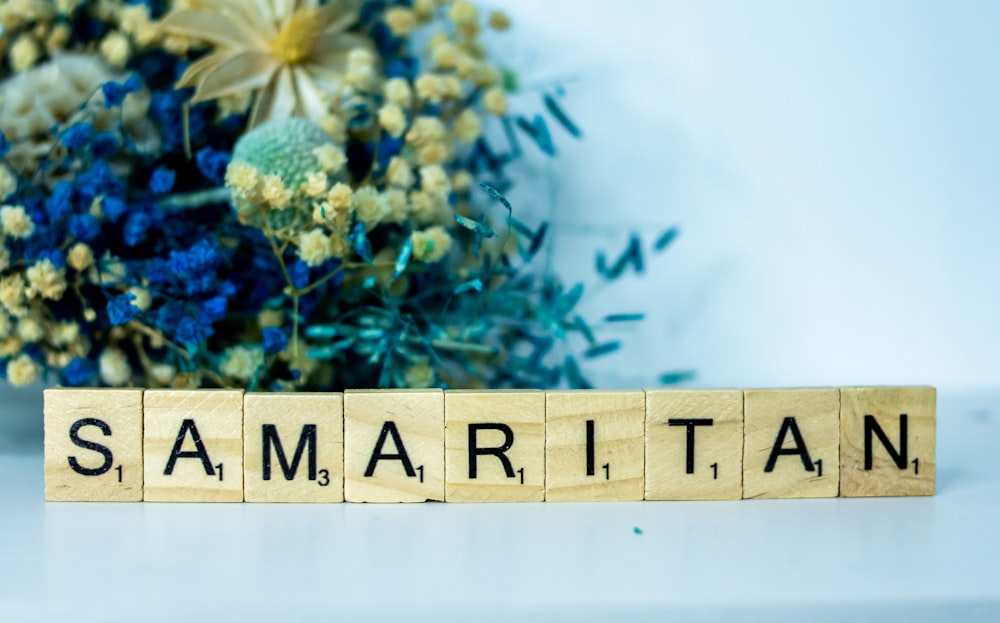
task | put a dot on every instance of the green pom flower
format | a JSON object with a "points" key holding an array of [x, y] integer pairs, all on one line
{"points": [[286, 148]]}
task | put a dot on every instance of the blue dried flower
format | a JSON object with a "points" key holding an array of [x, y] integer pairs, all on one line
{"points": [[274, 340], [212, 310], [190, 332], [212, 163], [299, 273], [60, 202], [84, 227], [115, 92], [136, 225], [78, 372], [113, 208], [104, 145], [161, 181], [78, 135], [4, 145], [121, 310]]}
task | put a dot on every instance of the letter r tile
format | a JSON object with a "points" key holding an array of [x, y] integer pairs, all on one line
{"points": [[494, 446]]}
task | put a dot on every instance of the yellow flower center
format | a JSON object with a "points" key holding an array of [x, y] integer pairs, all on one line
{"points": [[295, 41]]}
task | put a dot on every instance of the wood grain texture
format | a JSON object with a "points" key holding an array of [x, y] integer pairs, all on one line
{"points": [[109, 417], [815, 414], [694, 444], [281, 426], [218, 417], [416, 416], [523, 413], [618, 441], [911, 471]]}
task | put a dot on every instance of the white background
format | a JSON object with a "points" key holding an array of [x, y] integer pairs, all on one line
{"points": [[833, 166]]}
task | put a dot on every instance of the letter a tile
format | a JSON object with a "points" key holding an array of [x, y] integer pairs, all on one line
{"points": [[791, 443], [495, 446], [193, 445], [93, 445], [594, 445], [293, 447], [394, 445], [887, 441]]}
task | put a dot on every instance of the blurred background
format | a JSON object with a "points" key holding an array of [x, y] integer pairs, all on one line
{"points": [[832, 165]]}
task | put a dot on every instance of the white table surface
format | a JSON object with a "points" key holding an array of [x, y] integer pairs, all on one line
{"points": [[896, 559]]}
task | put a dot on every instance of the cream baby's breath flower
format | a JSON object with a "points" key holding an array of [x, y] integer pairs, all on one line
{"points": [[274, 192], [331, 159], [431, 245], [495, 101], [399, 173], [401, 21], [22, 371], [242, 362], [340, 196], [15, 222], [80, 257], [467, 126], [397, 91], [315, 247], [392, 119], [45, 280], [114, 367], [316, 185]]}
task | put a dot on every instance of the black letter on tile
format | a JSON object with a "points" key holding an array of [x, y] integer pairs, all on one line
{"points": [[270, 438], [74, 436], [590, 447], [690, 424], [389, 428], [871, 426], [475, 450], [788, 424], [198, 453]]}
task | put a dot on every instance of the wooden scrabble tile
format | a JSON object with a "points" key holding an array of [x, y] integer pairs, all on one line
{"points": [[93, 445], [694, 444], [594, 446], [791, 443], [293, 447], [887, 441], [394, 445], [494, 446], [193, 445]]}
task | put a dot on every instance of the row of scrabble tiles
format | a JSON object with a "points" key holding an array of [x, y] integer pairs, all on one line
{"points": [[487, 446]]}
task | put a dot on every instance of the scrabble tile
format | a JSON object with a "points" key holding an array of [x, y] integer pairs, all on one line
{"points": [[791, 443], [394, 445], [193, 445], [93, 445], [887, 441], [293, 447], [694, 444], [594, 445], [494, 446]]}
